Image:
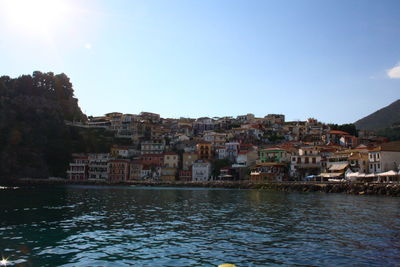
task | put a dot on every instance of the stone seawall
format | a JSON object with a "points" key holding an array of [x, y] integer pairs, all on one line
{"points": [[385, 189]]}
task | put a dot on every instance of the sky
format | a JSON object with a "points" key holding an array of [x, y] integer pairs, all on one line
{"points": [[336, 61]]}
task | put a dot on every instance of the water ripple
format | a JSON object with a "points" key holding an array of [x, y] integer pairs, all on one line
{"points": [[119, 226]]}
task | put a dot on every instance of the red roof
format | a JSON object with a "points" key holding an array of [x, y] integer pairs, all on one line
{"points": [[338, 132], [273, 148]]}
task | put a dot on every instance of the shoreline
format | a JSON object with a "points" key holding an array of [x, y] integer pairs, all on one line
{"points": [[383, 189]]}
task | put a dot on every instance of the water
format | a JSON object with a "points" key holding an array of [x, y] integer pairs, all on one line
{"points": [[125, 226]]}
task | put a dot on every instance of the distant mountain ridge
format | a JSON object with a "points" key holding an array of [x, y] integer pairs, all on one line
{"points": [[383, 118]]}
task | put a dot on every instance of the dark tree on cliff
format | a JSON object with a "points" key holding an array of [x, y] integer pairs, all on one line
{"points": [[34, 140]]}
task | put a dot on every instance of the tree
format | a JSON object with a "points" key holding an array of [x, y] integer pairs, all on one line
{"points": [[349, 128], [34, 140]]}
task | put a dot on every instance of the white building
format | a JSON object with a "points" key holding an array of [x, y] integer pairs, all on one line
{"points": [[384, 158], [232, 150], [215, 138], [152, 147], [308, 161], [221, 152], [201, 171], [246, 159]]}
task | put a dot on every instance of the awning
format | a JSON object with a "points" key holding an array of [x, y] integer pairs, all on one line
{"points": [[353, 174], [389, 173], [331, 175], [338, 167]]}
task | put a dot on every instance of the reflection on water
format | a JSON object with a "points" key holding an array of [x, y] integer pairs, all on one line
{"points": [[121, 226]]}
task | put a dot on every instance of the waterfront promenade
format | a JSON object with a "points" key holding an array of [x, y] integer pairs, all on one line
{"points": [[356, 188]]}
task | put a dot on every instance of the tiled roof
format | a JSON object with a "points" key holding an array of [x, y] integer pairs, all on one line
{"points": [[338, 132]]}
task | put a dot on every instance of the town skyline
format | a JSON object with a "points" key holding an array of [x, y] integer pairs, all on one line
{"points": [[337, 61]]}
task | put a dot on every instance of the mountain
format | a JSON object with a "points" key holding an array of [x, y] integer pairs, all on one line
{"points": [[383, 118]]}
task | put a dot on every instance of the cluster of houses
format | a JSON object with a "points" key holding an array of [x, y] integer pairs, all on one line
{"points": [[227, 148]]}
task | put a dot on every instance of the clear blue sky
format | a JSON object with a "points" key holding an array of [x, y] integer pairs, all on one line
{"points": [[324, 59]]}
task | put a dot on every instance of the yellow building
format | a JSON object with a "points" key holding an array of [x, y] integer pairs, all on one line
{"points": [[171, 160], [188, 159], [168, 174]]}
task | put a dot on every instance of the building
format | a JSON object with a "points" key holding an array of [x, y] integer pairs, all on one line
{"points": [[348, 141], [149, 116], [115, 120], [273, 154], [188, 159], [168, 174], [201, 171], [185, 175], [98, 165], [220, 152], [232, 150], [269, 172], [135, 170], [118, 170], [384, 158], [120, 151], [215, 138], [152, 147], [171, 160], [204, 151], [245, 118], [246, 159], [225, 174], [78, 168], [359, 161], [272, 119], [202, 124], [152, 159], [307, 162], [341, 138], [152, 173], [99, 122]]}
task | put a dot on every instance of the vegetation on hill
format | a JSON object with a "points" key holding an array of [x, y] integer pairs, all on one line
{"points": [[348, 128], [381, 119], [393, 134], [34, 140]]}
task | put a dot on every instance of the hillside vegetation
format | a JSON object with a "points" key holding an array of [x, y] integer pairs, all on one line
{"points": [[34, 140]]}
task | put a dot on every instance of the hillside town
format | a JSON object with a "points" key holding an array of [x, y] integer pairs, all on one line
{"points": [[264, 149]]}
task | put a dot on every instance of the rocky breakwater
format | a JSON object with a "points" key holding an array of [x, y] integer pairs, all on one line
{"points": [[385, 189]]}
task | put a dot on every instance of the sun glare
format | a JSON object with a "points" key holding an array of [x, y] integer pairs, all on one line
{"points": [[39, 16], [3, 262]]}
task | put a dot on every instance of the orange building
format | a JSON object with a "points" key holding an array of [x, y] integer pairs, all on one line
{"points": [[204, 150]]}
